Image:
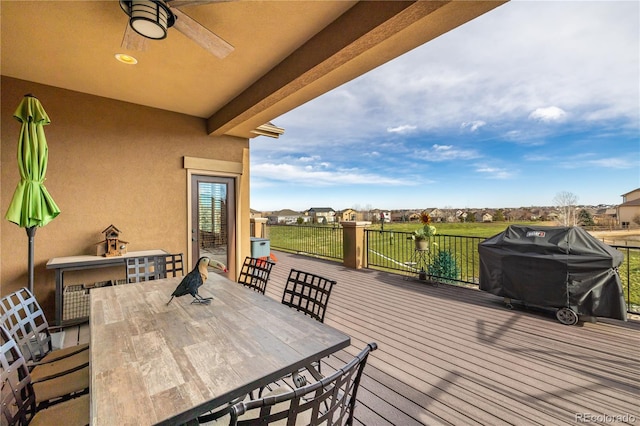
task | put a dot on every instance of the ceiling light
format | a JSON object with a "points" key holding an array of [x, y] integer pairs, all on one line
{"points": [[149, 18], [126, 59]]}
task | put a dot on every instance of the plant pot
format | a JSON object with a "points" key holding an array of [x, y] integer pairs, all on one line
{"points": [[422, 245], [422, 275]]}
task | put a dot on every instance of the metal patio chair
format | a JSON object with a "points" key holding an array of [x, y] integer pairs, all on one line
{"points": [[22, 402], [144, 268], [329, 401], [24, 319], [255, 273], [308, 293], [173, 265]]}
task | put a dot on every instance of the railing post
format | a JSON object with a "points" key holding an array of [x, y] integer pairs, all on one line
{"points": [[353, 245]]}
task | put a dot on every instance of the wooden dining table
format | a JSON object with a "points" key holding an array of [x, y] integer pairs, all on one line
{"points": [[153, 363]]}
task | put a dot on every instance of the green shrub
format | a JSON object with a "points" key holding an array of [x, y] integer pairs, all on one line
{"points": [[444, 267]]}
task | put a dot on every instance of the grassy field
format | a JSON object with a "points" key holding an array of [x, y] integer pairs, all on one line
{"points": [[464, 229]]}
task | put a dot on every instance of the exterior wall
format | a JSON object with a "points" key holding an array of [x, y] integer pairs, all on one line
{"points": [[110, 162], [629, 208], [626, 215], [630, 196]]}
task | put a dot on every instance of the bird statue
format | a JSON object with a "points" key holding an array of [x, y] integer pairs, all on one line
{"points": [[194, 279]]}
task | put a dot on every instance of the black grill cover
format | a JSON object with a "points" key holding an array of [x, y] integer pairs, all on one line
{"points": [[554, 267]]}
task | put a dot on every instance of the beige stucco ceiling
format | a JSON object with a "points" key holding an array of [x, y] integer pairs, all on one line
{"points": [[285, 52]]}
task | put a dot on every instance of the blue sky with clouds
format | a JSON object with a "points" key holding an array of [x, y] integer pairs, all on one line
{"points": [[508, 110]]}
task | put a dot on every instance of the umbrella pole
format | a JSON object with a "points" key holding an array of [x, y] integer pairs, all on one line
{"points": [[31, 233]]}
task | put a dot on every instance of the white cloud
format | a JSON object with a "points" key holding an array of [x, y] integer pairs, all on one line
{"points": [[473, 125], [405, 128], [609, 163], [537, 157], [548, 114], [593, 161], [446, 153], [310, 175], [494, 172], [614, 163]]}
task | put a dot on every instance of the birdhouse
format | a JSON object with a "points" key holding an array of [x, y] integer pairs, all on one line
{"points": [[112, 245]]}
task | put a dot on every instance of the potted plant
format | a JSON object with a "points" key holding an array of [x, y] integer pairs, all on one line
{"points": [[423, 235]]}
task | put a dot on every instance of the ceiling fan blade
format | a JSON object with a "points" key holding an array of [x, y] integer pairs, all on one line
{"points": [[199, 34], [183, 3], [133, 41]]}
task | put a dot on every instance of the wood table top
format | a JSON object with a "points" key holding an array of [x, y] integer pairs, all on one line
{"points": [[152, 363]]}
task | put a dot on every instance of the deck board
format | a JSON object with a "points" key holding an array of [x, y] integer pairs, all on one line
{"points": [[453, 355]]}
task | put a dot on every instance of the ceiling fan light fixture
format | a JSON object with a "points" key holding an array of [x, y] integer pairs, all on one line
{"points": [[149, 18]]}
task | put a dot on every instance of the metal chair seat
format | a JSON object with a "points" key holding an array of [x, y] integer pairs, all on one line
{"points": [[22, 404]]}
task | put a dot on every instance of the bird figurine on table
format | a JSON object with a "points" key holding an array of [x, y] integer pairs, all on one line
{"points": [[194, 279]]}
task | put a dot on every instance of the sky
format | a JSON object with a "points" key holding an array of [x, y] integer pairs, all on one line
{"points": [[508, 110]]}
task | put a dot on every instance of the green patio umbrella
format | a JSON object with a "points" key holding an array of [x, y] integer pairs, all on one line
{"points": [[31, 205]]}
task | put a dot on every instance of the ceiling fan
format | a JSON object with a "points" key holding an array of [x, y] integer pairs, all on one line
{"points": [[150, 19]]}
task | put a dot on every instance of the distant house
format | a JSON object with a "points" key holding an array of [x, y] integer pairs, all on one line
{"points": [[438, 215], [400, 215], [284, 217], [347, 215], [607, 216], [414, 217], [518, 214], [629, 209], [322, 214]]}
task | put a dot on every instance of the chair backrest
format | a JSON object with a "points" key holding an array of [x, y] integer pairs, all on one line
{"points": [[144, 268], [173, 265], [22, 316], [255, 273], [330, 401], [308, 293], [18, 398]]}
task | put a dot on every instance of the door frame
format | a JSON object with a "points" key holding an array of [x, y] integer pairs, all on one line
{"points": [[222, 169]]}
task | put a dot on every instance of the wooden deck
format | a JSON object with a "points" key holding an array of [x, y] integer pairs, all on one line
{"points": [[451, 355]]}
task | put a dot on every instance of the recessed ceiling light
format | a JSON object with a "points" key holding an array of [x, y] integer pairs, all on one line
{"points": [[126, 59]]}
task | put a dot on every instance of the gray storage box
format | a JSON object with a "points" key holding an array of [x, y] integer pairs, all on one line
{"points": [[260, 247]]}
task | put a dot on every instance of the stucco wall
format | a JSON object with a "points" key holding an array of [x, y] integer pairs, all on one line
{"points": [[109, 163], [626, 214]]}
